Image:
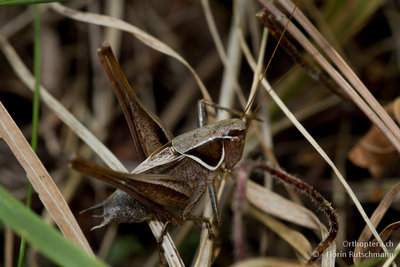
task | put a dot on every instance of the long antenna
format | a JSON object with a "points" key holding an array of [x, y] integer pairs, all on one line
{"points": [[252, 116], [266, 69]]}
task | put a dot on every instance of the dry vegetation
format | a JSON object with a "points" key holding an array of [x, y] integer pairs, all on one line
{"points": [[272, 225]]}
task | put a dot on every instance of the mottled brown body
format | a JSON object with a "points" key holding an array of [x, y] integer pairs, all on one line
{"points": [[174, 172], [194, 176]]}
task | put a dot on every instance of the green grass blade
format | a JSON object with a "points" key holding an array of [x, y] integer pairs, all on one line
{"points": [[36, 71], [43, 237], [35, 112]]}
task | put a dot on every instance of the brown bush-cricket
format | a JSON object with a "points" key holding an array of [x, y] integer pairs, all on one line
{"points": [[174, 172]]}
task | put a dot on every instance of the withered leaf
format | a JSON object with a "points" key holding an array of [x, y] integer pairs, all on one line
{"points": [[374, 151]]}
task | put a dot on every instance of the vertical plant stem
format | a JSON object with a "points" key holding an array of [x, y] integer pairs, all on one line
{"points": [[35, 111]]}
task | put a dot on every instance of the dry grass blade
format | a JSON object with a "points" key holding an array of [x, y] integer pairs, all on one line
{"points": [[294, 238], [395, 253], [370, 249], [114, 36], [274, 204], [99, 148], [375, 219], [41, 181], [144, 37]]}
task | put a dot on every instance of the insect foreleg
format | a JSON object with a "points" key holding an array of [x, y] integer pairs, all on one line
{"points": [[214, 203]]}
